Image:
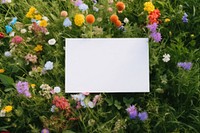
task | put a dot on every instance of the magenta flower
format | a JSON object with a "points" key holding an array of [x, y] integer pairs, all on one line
{"points": [[45, 130], [17, 39]]}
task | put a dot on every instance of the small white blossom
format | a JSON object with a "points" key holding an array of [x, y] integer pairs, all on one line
{"points": [[126, 20], [57, 89], [23, 31], [47, 33], [52, 41], [45, 18], [12, 34], [2, 113], [53, 108], [6, 1], [166, 58], [91, 104], [30, 27], [78, 97], [48, 65], [7, 54]]}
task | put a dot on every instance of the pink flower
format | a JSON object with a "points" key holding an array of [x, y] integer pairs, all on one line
{"points": [[61, 102], [17, 40], [31, 58], [110, 9], [96, 99], [85, 93]]}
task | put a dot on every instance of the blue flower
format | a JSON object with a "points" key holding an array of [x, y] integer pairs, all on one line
{"points": [[185, 65], [143, 116], [8, 29], [184, 18], [14, 20], [67, 22], [83, 7]]}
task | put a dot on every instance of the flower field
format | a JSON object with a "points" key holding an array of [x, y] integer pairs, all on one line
{"points": [[32, 66]]}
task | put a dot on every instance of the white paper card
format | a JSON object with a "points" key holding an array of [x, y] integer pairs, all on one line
{"points": [[107, 65]]}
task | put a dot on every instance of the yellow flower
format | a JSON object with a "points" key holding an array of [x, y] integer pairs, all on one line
{"points": [[38, 17], [8, 108], [33, 86], [167, 20], [149, 7], [29, 15], [2, 70], [38, 48], [79, 19], [32, 10], [43, 23]]}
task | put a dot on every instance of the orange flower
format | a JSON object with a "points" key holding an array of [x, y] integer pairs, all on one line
{"points": [[118, 23], [90, 19], [120, 6], [113, 18], [153, 16]]}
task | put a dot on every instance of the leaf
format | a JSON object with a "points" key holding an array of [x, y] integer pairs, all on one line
{"points": [[6, 81], [109, 101], [117, 104], [8, 89], [128, 101]]}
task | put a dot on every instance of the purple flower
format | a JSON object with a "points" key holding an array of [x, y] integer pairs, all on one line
{"points": [[184, 18], [152, 27], [94, 1], [45, 130], [23, 88], [78, 2], [185, 65], [143, 116], [83, 7], [156, 36], [132, 111]]}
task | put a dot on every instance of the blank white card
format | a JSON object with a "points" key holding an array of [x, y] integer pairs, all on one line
{"points": [[107, 65]]}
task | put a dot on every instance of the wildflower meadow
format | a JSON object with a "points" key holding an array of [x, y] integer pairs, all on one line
{"points": [[32, 66]]}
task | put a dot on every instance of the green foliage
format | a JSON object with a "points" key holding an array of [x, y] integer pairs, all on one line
{"points": [[172, 104]]}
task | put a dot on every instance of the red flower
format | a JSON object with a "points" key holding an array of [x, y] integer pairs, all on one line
{"points": [[61, 102], [153, 16], [1, 35]]}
